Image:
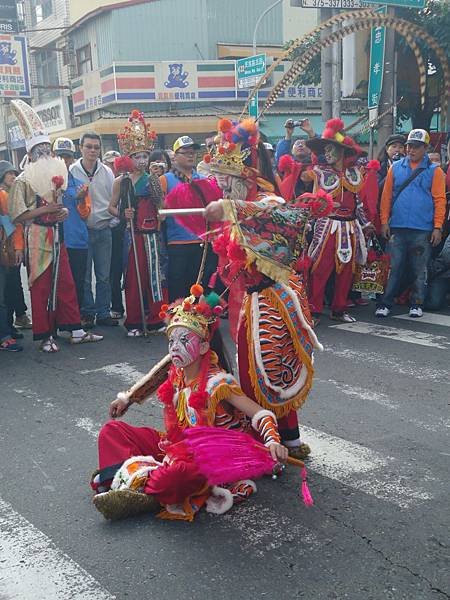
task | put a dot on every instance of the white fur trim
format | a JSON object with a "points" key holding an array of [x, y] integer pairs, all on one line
{"points": [[118, 483], [123, 396], [259, 415], [220, 501]]}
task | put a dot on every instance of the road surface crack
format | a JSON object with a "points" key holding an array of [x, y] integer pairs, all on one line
{"points": [[387, 558]]}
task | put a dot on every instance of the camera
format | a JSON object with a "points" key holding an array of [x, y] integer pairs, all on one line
{"points": [[290, 123]]}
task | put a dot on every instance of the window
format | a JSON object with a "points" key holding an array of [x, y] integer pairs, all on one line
{"points": [[47, 74], [84, 60], [40, 10]]}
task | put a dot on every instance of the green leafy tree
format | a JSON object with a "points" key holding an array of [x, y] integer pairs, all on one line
{"points": [[312, 75]]}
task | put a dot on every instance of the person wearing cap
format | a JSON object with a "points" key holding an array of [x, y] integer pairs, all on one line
{"points": [[35, 200], [412, 214], [76, 200], [184, 247], [393, 150], [12, 238], [109, 158], [338, 243]]}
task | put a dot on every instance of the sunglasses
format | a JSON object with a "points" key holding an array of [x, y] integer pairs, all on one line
{"points": [[187, 152]]}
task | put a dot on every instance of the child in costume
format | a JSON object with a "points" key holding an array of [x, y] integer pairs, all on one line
{"points": [[261, 248], [136, 198], [135, 472]]}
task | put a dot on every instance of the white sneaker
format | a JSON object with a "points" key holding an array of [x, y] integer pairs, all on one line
{"points": [[415, 312], [135, 333], [382, 311]]}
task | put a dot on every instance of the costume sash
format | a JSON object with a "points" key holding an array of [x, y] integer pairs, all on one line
{"points": [[39, 250]]}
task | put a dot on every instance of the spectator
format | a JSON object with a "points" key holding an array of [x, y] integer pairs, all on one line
{"points": [[439, 279], [435, 157], [185, 249], [91, 171], [11, 255], [412, 215], [109, 158], [117, 240], [393, 150], [159, 163], [14, 297], [76, 200], [298, 149]]}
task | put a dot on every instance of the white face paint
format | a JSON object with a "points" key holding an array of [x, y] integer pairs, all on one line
{"points": [[223, 181], [184, 346], [140, 160]]}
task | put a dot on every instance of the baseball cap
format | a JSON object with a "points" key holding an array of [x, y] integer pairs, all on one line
{"points": [[185, 142], [268, 146], [418, 136], [395, 138], [63, 146], [110, 156]]}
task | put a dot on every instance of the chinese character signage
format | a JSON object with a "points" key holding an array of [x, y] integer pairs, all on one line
{"points": [[377, 43], [249, 70], [14, 71]]}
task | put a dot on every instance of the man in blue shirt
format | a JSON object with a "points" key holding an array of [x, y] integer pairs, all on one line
{"points": [[75, 229]]}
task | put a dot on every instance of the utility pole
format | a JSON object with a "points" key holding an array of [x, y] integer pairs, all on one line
{"points": [[386, 124], [326, 62], [336, 69]]}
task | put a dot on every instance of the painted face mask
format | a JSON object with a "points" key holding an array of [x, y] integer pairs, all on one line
{"points": [[223, 181], [40, 151], [140, 160], [184, 346], [331, 154]]}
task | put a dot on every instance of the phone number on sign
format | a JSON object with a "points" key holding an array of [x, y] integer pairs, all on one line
{"points": [[334, 4]]}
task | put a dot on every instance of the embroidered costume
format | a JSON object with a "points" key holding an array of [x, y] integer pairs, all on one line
{"points": [[338, 243], [145, 197], [258, 248], [53, 295], [146, 462]]}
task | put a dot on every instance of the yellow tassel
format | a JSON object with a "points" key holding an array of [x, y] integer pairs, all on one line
{"points": [[223, 392]]}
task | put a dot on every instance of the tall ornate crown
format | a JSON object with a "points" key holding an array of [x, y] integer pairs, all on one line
{"points": [[197, 312], [30, 123], [235, 144], [136, 135]]}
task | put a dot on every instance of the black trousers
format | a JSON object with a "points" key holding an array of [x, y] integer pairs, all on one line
{"points": [[14, 298], [116, 271], [184, 265], [78, 262]]}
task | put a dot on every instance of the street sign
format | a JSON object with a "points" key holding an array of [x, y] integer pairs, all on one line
{"points": [[249, 70], [350, 4], [8, 16], [253, 107], [377, 44], [14, 71]]}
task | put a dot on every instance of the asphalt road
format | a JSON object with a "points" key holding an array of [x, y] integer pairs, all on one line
{"points": [[377, 420]]}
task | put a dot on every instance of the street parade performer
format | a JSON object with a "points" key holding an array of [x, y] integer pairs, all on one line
{"points": [[137, 196], [35, 200], [261, 248], [138, 469], [338, 243]]}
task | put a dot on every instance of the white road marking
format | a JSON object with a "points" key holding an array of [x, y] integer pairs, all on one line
{"points": [[88, 425], [378, 359], [360, 393], [362, 469], [399, 335], [32, 395], [431, 318], [32, 568], [123, 370]]}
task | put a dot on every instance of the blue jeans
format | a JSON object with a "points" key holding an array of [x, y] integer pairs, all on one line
{"points": [[408, 247], [5, 331], [99, 254], [437, 291]]}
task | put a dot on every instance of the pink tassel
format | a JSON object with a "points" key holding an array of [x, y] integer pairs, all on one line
{"points": [[212, 280], [306, 494]]}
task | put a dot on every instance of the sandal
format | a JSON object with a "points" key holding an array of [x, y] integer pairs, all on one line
{"points": [[315, 319], [343, 317], [86, 338], [49, 346]]}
